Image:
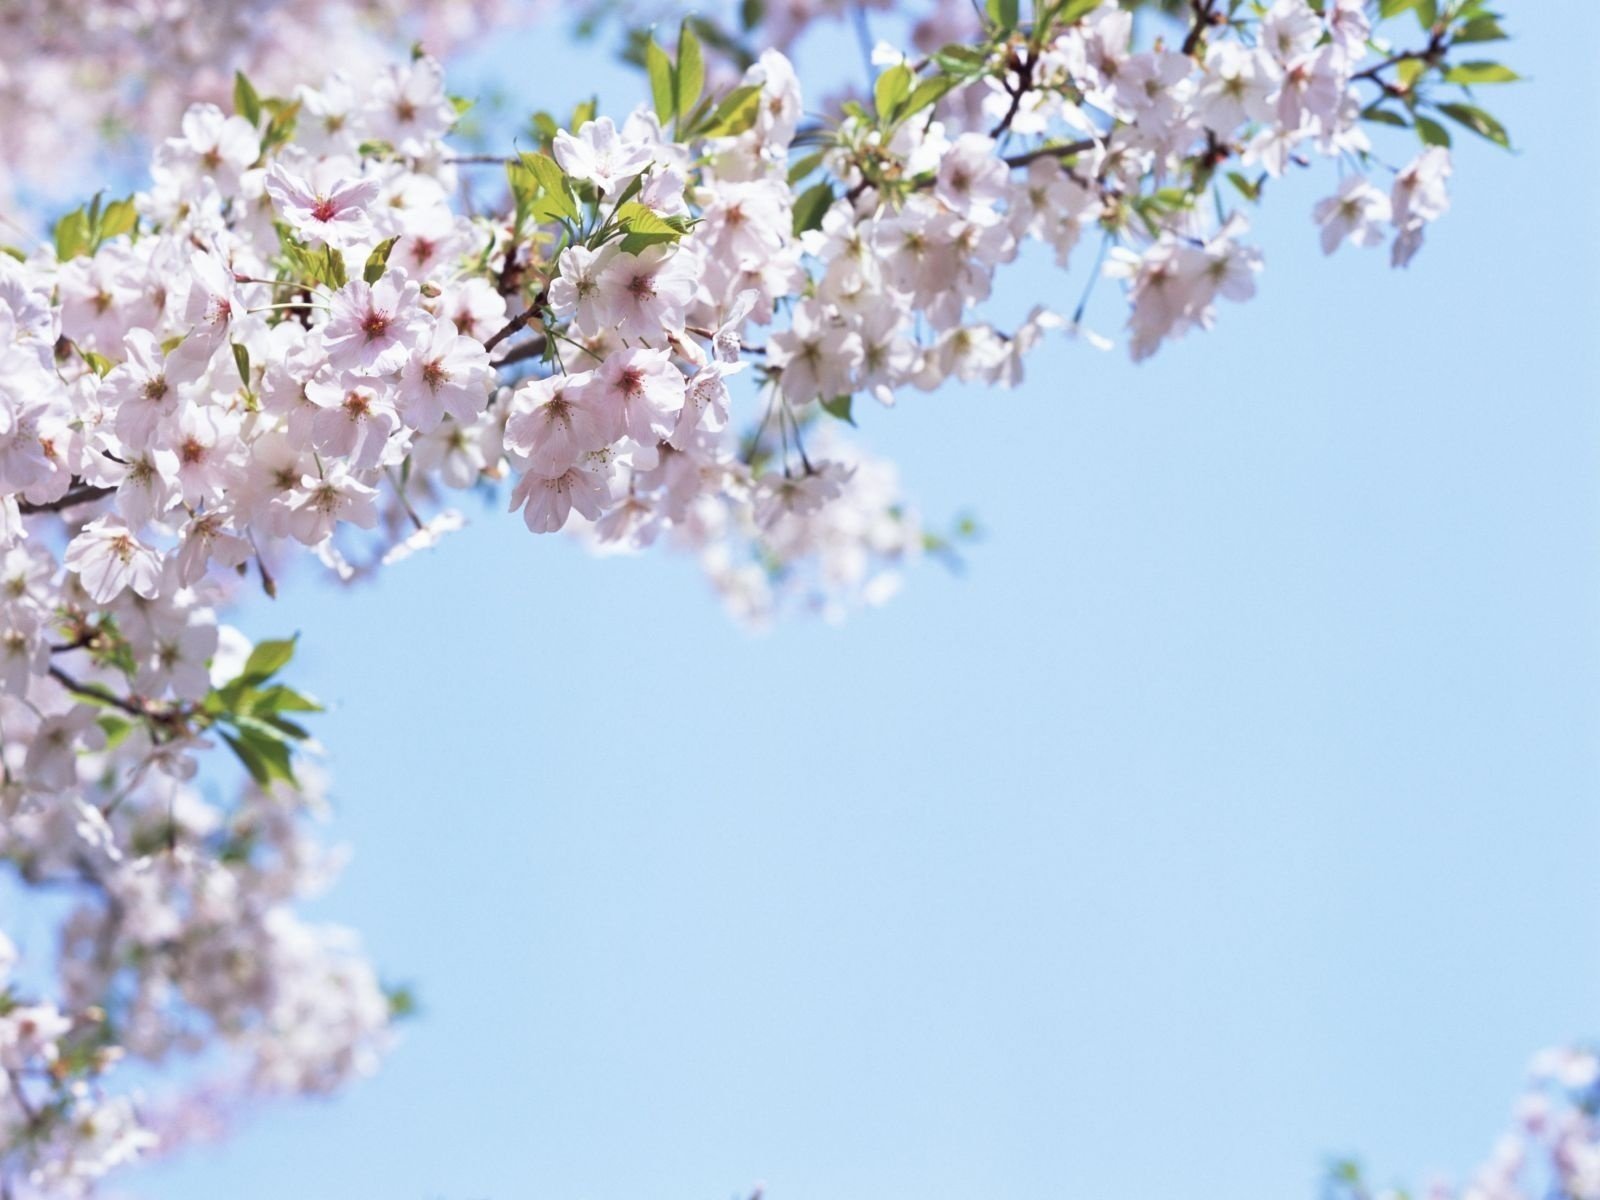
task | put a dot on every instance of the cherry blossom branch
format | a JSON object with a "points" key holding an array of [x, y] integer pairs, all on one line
{"points": [[82, 493], [1204, 15], [1024, 66]]}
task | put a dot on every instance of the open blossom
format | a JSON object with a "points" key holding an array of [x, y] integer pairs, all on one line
{"points": [[336, 496], [213, 146], [546, 502], [816, 356], [600, 155], [212, 307], [326, 206], [576, 293], [139, 389], [373, 327], [647, 294], [107, 558], [446, 372], [1358, 213], [408, 107], [354, 421], [554, 422], [972, 180], [642, 391]]}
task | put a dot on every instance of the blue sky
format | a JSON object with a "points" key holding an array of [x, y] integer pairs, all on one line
{"points": [[1235, 808]]}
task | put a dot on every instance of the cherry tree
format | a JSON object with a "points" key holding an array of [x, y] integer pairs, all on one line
{"points": [[290, 350]]}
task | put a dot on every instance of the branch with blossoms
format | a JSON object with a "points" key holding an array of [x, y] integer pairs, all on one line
{"points": [[299, 342]]}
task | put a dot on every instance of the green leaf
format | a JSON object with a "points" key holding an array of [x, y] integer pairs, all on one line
{"points": [[1427, 12], [1383, 116], [333, 267], [1077, 9], [1247, 189], [1003, 14], [689, 79], [72, 235], [245, 101], [402, 1001], [662, 85], [1431, 132], [119, 217], [281, 128], [241, 359], [281, 698], [99, 363], [1391, 8], [964, 62], [266, 758], [1480, 29], [643, 228], [805, 166], [555, 192], [736, 114], [266, 660], [637, 218], [812, 206], [891, 91], [378, 260], [928, 92], [840, 407], [1480, 122], [1480, 72]]}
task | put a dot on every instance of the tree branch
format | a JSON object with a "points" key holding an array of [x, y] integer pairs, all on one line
{"points": [[80, 493]]}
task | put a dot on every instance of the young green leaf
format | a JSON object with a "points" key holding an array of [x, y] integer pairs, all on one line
{"points": [[1003, 14], [1480, 72], [662, 89], [689, 79], [245, 101], [119, 217], [1480, 122], [736, 114], [266, 660], [378, 260], [891, 91], [840, 406], [72, 235], [812, 206], [552, 183], [1431, 132]]}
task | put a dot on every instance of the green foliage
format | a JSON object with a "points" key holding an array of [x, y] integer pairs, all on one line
{"points": [[642, 227], [245, 101], [736, 114], [86, 228], [812, 206], [840, 407], [250, 715], [378, 260], [1480, 122], [541, 190], [1470, 73]]}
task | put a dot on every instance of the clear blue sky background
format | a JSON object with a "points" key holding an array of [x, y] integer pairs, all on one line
{"points": [[1237, 807]]}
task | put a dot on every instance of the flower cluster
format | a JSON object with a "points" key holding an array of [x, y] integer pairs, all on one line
{"points": [[181, 939], [297, 341], [81, 72]]}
